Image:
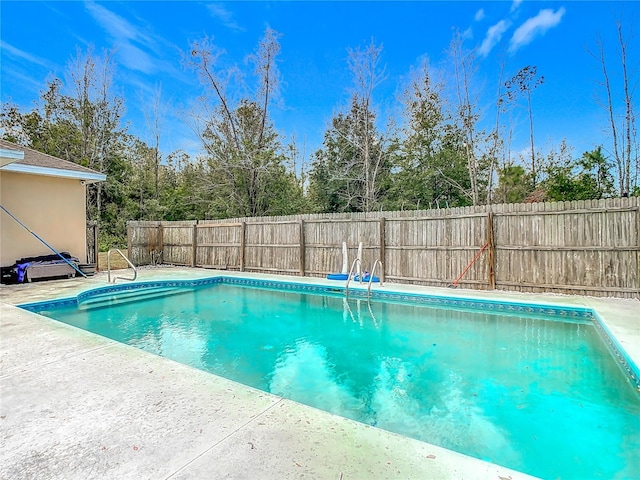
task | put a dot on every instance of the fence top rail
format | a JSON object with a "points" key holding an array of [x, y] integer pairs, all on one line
{"points": [[218, 225], [396, 219], [504, 209], [563, 212], [341, 220], [276, 222], [164, 226], [161, 223], [435, 217]]}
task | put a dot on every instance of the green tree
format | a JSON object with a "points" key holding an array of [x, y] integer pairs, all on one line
{"points": [[453, 185], [144, 181], [345, 176], [80, 121], [250, 180], [587, 178], [245, 171], [330, 187], [417, 144], [513, 184], [182, 194]]}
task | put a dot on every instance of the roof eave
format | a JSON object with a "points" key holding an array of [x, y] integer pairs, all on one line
{"points": [[8, 156], [54, 172]]}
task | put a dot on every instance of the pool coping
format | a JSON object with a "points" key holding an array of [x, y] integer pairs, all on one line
{"points": [[425, 459]]}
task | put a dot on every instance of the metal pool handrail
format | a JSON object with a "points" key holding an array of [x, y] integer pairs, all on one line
{"points": [[135, 270], [373, 270], [345, 305], [355, 262]]}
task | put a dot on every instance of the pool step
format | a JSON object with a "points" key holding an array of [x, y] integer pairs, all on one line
{"points": [[128, 296]]}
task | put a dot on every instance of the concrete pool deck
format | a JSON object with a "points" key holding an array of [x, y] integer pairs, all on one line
{"points": [[77, 405]]}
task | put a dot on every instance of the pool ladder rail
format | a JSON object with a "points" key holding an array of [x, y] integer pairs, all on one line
{"points": [[135, 270], [347, 308], [358, 262]]}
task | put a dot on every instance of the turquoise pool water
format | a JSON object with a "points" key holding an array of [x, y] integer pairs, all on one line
{"points": [[537, 393]]}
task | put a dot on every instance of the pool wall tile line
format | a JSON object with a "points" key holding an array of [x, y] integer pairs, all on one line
{"points": [[437, 301], [476, 304], [628, 367]]}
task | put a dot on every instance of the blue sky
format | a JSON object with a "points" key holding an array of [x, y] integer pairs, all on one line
{"points": [[149, 37]]}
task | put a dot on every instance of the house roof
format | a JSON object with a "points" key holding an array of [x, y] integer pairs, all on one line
{"points": [[39, 163], [538, 195]]}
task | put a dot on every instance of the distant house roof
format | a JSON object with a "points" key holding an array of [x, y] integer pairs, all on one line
{"points": [[34, 162], [538, 195]]}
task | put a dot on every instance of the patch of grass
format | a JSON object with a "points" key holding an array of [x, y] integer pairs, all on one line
{"points": [[117, 262]]}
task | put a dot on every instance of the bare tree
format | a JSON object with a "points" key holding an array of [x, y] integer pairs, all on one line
{"points": [[467, 113], [266, 71], [496, 141], [368, 73], [204, 56], [96, 113], [297, 159], [153, 117], [237, 134], [347, 172], [621, 119], [522, 84]]}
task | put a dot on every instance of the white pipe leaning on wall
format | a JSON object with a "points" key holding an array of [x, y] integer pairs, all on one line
{"points": [[345, 259]]}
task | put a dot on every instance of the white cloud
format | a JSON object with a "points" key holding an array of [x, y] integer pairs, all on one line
{"points": [[467, 34], [514, 5], [25, 80], [219, 12], [479, 15], [493, 36], [17, 53], [135, 59], [115, 25], [534, 27], [128, 39]]}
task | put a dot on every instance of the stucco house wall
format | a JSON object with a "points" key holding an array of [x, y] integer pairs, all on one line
{"points": [[53, 208], [48, 195]]}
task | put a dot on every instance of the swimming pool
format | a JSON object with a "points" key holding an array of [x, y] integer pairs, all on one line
{"points": [[541, 395]]}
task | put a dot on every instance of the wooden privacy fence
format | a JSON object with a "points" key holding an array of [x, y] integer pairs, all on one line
{"points": [[583, 247]]}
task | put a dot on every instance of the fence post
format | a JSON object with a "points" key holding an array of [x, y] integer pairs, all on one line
{"points": [[243, 231], [160, 244], [382, 248], [302, 252], [492, 252], [96, 247], [638, 239], [92, 242], [194, 244], [129, 244]]}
